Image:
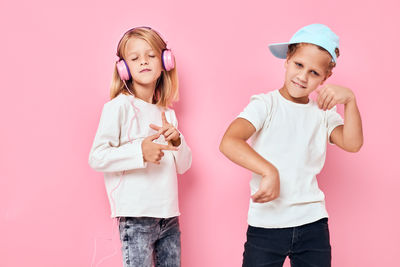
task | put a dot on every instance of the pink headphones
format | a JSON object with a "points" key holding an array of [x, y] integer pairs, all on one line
{"points": [[167, 59]]}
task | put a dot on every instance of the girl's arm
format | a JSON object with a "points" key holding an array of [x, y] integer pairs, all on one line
{"points": [[349, 136], [183, 157], [235, 147], [107, 154]]}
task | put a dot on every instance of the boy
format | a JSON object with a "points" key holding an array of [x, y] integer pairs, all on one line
{"points": [[287, 214]]}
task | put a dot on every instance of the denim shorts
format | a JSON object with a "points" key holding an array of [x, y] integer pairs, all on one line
{"points": [[305, 245], [147, 240]]}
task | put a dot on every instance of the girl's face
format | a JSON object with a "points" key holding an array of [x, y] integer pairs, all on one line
{"points": [[305, 71], [143, 62]]}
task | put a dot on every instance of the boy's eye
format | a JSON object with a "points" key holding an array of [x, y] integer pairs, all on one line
{"points": [[298, 64], [315, 73]]}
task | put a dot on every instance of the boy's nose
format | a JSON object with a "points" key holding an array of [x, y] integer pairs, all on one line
{"points": [[302, 76]]}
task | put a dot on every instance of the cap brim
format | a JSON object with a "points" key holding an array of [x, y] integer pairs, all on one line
{"points": [[279, 50]]}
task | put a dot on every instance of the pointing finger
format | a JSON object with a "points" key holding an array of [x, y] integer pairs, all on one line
{"points": [[155, 127], [167, 147]]}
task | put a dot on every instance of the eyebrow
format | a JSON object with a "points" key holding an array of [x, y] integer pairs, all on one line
{"points": [[135, 52]]}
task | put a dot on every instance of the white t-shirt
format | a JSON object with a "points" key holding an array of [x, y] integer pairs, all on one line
{"points": [[293, 138], [136, 188]]}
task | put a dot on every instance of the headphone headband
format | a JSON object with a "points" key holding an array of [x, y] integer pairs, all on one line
{"points": [[141, 27]]}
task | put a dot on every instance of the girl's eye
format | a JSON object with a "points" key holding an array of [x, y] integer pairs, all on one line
{"points": [[133, 59], [152, 56], [298, 64]]}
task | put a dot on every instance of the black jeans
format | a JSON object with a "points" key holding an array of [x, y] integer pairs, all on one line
{"points": [[306, 245]]}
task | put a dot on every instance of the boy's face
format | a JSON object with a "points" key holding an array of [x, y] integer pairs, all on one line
{"points": [[305, 71]]}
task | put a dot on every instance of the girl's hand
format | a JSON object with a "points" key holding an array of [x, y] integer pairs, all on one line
{"points": [[269, 188], [330, 95], [170, 133], [153, 152]]}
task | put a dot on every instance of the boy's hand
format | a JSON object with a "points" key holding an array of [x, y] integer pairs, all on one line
{"points": [[269, 188], [153, 152], [330, 95], [168, 130]]}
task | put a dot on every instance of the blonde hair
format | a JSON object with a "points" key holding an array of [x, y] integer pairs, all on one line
{"points": [[293, 47], [166, 90]]}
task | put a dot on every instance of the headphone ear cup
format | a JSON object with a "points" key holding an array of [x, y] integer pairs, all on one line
{"points": [[168, 59], [123, 70]]}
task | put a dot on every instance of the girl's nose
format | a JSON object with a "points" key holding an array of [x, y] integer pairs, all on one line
{"points": [[145, 61]]}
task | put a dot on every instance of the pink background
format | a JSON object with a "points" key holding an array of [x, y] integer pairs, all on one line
{"points": [[56, 66]]}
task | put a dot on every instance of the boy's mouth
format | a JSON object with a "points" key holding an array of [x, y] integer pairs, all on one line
{"points": [[298, 85]]}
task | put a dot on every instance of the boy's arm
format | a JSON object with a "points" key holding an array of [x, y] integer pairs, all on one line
{"points": [[235, 147], [350, 135]]}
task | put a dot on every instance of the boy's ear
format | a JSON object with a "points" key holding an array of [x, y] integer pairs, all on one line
{"points": [[329, 74], [286, 63]]}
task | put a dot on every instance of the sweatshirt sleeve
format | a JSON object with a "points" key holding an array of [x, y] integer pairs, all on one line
{"points": [[107, 153], [183, 157]]}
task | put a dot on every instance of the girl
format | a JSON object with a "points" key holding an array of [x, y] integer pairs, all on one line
{"points": [[140, 150]]}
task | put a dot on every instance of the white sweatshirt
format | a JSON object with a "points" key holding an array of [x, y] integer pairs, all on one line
{"points": [[136, 188]]}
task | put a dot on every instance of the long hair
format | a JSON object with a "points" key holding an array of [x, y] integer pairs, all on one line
{"points": [[166, 90]]}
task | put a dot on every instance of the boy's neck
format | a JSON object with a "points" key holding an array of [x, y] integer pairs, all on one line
{"points": [[301, 100]]}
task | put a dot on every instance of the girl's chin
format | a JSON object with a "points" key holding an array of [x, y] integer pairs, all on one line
{"points": [[146, 82]]}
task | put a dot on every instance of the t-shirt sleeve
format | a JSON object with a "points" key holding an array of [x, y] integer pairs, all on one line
{"points": [[333, 120], [256, 111]]}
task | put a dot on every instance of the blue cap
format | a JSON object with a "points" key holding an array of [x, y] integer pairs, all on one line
{"points": [[317, 34]]}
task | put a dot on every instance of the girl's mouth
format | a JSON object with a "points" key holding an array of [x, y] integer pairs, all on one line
{"points": [[145, 70]]}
